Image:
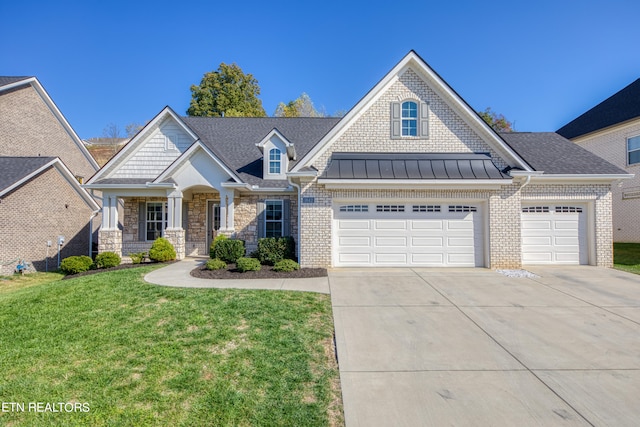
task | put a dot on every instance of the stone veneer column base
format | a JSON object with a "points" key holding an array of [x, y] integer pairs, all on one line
{"points": [[110, 241], [176, 237]]}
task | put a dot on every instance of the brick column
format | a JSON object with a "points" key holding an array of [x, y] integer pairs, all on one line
{"points": [[110, 241], [176, 237]]}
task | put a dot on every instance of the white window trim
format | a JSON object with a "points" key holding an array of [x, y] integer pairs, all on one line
{"points": [[165, 219], [416, 119], [630, 151], [279, 162], [281, 220]]}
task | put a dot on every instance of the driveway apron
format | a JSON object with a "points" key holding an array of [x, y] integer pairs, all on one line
{"points": [[472, 347]]}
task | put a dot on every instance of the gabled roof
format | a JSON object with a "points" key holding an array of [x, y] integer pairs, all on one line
{"points": [[414, 62], [15, 171], [7, 80], [233, 139], [620, 107], [550, 153]]}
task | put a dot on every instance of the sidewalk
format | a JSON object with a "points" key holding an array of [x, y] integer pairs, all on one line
{"points": [[178, 275]]}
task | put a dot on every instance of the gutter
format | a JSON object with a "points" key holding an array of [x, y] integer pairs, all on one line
{"points": [[299, 234]]}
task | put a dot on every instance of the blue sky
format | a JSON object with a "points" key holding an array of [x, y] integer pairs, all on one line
{"points": [[539, 63]]}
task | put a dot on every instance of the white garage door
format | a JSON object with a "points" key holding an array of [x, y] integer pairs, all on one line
{"points": [[411, 234], [554, 234]]}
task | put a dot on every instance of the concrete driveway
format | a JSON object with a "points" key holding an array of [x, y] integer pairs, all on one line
{"points": [[471, 347]]}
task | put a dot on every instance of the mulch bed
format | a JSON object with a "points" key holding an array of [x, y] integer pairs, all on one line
{"points": [[266, 272], [120, 267]]}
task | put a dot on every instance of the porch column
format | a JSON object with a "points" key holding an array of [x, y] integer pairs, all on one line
{"points": [[174, 208], [227, 210], [109, 212]]}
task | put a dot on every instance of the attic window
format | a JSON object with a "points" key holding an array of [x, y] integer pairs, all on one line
{"points": [[409, 119], [274, 161]]}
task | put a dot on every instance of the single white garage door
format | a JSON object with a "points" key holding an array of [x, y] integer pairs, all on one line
{"points": [[411, 234], [554, 234]]}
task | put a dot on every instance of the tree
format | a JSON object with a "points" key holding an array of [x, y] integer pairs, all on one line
{"points": [[300, 107], [226, 92], [132, 128], [498, 122]]}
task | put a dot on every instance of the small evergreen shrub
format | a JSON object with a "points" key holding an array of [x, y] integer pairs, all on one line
{"points": [[162, 250], [76, 264], [286, 265], [107, 260], [247, 264], [215, 264], [274, 249], [229, 250], [137, 257], [214, 243]]}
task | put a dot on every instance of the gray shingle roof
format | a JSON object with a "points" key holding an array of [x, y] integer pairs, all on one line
{"points": [[234, 139], [553, 154], [412, 166], [7, 80], [620, 107], [13, 169]]}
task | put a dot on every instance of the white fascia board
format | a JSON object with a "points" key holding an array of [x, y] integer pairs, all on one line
{"points": [[582, 179], [291, 151], [167, 185], [255, 188], [40, 90], [184, 158], [310, 173], [411, 184], [126, 152], [413, 61]]}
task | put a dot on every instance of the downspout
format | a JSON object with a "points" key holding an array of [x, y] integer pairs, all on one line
{"points": [[298, 243], [93, 215]]}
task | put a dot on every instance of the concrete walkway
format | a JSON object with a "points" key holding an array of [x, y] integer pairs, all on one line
{"points": [[177, 275]]}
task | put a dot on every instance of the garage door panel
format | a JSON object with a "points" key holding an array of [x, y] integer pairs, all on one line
{"points": [[354, 224], [389, 225], [569, 257], [355, 241], [355, 258], [537, 225], [460, 259], [418, 242], [459, 225], [537, 257], [567, 225], [427, 225], [536, 241], [464, 242], [434, 259], [387, 258], [382, 242], [567, 241]]}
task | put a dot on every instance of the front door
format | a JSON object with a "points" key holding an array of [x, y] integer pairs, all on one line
{"points": [[213, 221]]}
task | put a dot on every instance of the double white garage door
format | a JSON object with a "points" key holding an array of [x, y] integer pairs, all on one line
{"points": [[450, 234], [408, 234]]}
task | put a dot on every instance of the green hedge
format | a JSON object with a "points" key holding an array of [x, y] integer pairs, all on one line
{"points": [[286, 265], [274, 249], [247, 264], [214, 243], [215, 264], [76, 264], [229, 250], [107, 260], [162, 250]]}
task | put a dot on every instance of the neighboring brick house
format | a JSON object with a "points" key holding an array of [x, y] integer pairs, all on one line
{"points": [[611, 130], [410, 176], [35, 136]]}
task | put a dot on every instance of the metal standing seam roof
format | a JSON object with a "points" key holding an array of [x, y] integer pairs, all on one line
{"points": [[412, 166]]}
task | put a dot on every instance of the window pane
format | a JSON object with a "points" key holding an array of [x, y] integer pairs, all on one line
{"points": [[274, 211], [274, 229], [409, 110], [274, 154], [409, 128], [634, 157], [274, 167], [633, 143]]}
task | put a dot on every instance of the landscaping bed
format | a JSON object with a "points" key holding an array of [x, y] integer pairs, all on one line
{"points": [[266, 272], [120, 267]]}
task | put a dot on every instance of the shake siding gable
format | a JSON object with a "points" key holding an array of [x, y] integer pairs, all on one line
{"points": [[156, 153]]}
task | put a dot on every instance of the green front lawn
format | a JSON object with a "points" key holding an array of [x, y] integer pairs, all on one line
{"points": [[626, 256], [138, 354]]}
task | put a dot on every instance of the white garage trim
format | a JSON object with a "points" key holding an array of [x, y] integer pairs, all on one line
{"points": [[557, 232], [413, 233]]}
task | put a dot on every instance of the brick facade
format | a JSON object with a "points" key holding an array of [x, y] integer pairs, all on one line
{"points": [[611, 145], [33, 214]]}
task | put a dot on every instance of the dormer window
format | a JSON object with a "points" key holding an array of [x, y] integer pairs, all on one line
{"points": [[409, 119], [274, 161]]}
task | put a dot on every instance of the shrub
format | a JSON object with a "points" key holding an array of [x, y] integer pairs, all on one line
{"points": [[162, 250], [215, 264], [107, 259], [274, 249], [76, 264], [137, 257], [286, 265], [214, 243], [247, 264], [229, 250]]}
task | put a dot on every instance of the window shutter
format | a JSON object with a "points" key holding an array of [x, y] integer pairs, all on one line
{"points": [[261, 213], [142, 221], [396, 121], [286, 218], [185, 219], [424, 120]]}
